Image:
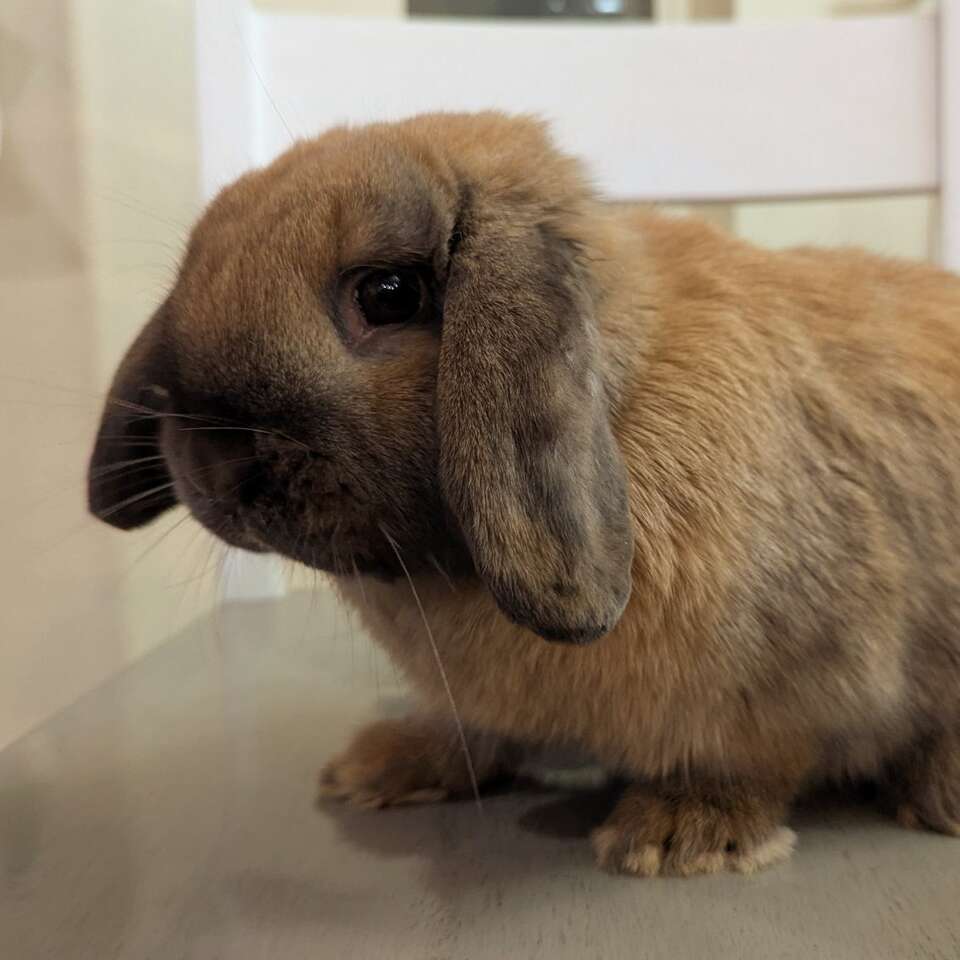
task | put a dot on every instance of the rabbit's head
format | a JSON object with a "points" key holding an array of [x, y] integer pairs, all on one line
{"points": [[381, 351]]}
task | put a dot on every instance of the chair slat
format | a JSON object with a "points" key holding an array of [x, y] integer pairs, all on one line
{"points": [[672, 112]]}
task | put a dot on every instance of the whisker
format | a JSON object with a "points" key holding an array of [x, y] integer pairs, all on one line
{"points": [[98, 475], [223, 582], [191, 558], [148, 413], [85, 522], [187, 549], [206, 421], [209, 422], [226, 493], [117, 439], [263, 86], [115, 472], [141, 241], [156, 543], [139, 268], [373, 661], [114, 467], [110, 473], [101, 480], [356, 573], [333, 545], [137, 208], [154, 412], [366, 603], [152, 492], [435, 563], [340, 607], [311, 608], [205, 568], [263, 430], [443, 673]]}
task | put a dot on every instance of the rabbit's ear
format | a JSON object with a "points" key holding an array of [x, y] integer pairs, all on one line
{"points": [[128, 483], [528, 463]]}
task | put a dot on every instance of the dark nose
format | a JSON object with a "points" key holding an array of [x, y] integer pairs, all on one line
{"points": [[222, 461]]}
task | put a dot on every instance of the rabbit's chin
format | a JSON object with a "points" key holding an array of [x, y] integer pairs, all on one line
{"points": [[301, 510], [337, 546], [332, 551]]}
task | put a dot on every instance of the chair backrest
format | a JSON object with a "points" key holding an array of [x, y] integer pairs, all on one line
{"points": [[698, 112]]}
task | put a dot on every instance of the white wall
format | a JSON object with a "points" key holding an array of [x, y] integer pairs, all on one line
{"points": [[897, 226]]}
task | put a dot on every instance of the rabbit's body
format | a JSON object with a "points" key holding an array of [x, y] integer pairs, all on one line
{"points": [[797, 554], [738, 469]]}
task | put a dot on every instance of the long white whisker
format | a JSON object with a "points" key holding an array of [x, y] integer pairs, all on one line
{"points": [[435, 563], [269, 433], [263, 86], [398, 682], [443, 673], [156, 543], [123, 464], [209, 422], [153, 491]]}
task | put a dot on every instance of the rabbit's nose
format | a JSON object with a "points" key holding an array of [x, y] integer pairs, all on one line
{"points": [[222, 461]]}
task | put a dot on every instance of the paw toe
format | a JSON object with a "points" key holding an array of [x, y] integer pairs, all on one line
{"points": [[688, 866], [618, 852], [909, 816], [777, 848]]}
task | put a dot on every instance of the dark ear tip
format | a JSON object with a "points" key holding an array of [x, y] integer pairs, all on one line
{"points": [[576, 627], [576, 636]]}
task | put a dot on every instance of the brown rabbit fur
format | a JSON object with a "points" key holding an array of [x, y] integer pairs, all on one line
{"points": [[728, 477]]}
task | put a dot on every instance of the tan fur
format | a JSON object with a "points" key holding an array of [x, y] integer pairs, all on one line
{"points": [[425, 763], [790, 428]]}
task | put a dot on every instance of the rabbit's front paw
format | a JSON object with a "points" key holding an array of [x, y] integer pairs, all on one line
{"points": [[926, 785], [657, 830], [406, 761]]}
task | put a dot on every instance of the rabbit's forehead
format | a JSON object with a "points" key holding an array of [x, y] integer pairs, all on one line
{"points": [[321, 212], [265, 265]]}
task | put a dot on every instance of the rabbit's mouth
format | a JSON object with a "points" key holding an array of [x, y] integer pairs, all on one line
{"points": [[266, 496], [338, 547]]}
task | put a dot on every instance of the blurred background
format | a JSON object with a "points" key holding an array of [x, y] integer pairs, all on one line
{"points": [[100, 178]]}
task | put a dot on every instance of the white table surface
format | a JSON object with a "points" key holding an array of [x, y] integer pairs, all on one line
{"points": [[170, 815]]}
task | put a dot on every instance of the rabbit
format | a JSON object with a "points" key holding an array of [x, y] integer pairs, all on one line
{"points": [[604, 478]]}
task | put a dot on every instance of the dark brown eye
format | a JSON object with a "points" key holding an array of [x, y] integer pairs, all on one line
{"points": [[390, 296]]}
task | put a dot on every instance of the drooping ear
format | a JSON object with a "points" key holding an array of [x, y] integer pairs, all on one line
{"points": [[128, 483], [528, 462]]}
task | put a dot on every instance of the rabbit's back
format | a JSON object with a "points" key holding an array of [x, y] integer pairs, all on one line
{"points": [[794, 445], [796, 550]]}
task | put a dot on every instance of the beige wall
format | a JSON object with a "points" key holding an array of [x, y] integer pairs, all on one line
{"points": [[98, 154], [47, 654], [135, 70]]}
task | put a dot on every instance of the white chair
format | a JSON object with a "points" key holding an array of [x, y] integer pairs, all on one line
{"points": [[720, 111], [679, 113]]}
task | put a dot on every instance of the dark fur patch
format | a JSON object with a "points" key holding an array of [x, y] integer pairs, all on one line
{"points": [[527, 458], [124, 497]]}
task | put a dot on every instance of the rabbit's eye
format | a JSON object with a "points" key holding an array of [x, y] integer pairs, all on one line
{"points": [[390, 296]]}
